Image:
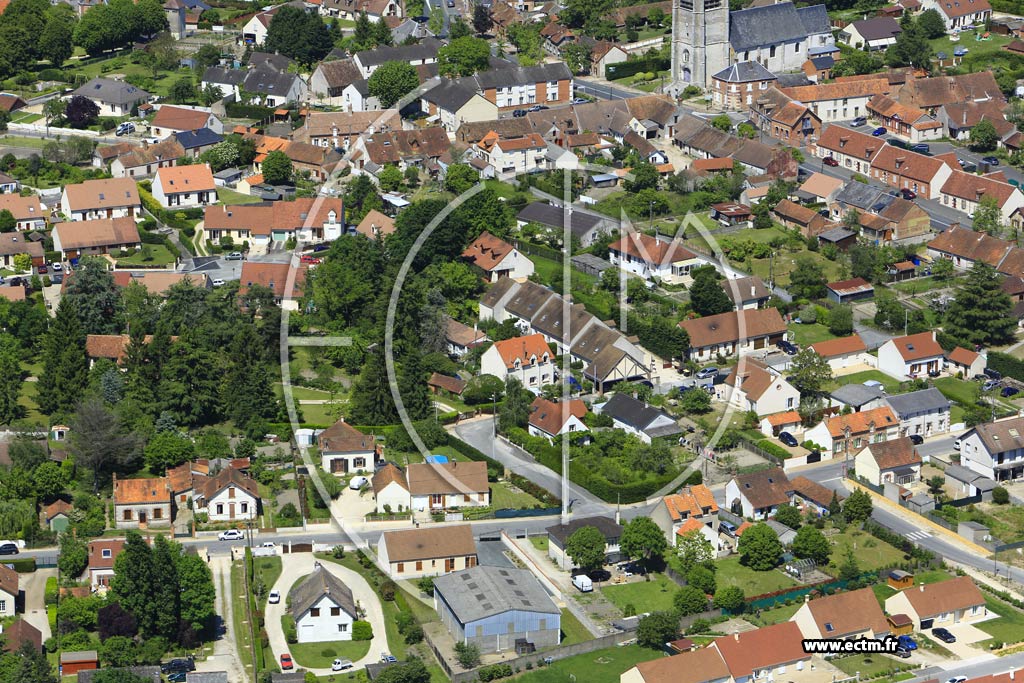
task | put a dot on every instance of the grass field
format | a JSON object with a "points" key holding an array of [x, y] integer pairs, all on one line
{"points": [[267, 570], [732, 573], [805, 334], [883, 592], [600, 666], [15, 141], [572, 630], [773, 616], [644, 596], [321, 655], [228, 196], [871, 553], [158, 255], [503, 496], [891, 385], [540, 543], [869, 666], [1009, 627], [321, 414], [958, 390]]}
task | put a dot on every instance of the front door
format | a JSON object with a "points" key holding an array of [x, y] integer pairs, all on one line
{"points": [[436, 499], [339, 465], [449, 564], [231, 510], [142, 518]]}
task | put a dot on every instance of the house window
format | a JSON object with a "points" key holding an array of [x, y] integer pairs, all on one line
{"points": [[401, 567], [3, 605], [158, 513], [127, 515], [220, 508], [335, 611], [314, 611], [105, 553], [231, 492], [245, 508], [342, 628], [465, 498], [771, 53], [419, 565]]}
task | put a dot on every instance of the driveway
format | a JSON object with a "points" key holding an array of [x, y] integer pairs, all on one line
{"points": [[225, 655], [966, 634], [298, 565], [34, 585]]}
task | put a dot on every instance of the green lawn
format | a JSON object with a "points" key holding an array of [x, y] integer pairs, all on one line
{"points": [[149, 255], [891, 385], [977, 50], [228, 196], [304, 393], [239, 616], [540, 543], [267, 570], [1009, 627], [15, 141], [572, 630], [804, 335], [773, 616], [932, 576], [732, 573], [503, 496], [321, 655], [600, 666], [883, 592], [869, 666], [871, 553], [644, 596], [323, 414], [959, 390]]}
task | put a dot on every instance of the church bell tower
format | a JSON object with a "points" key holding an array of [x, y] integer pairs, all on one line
{"points": [[700, 41]]}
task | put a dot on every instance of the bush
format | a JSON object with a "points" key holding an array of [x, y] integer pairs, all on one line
{"points": [[361, 630], [24, 565], [1000, 496], [413, 634], [290, 634], [50, 592], [236, 110], [494, 671], [387, 591], [773, 449]]}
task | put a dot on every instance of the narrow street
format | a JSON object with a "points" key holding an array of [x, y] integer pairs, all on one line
{"points": [[225, 649]]}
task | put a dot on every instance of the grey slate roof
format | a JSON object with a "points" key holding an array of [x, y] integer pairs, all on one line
{"points": [[451, 95], [266, 80], [216, 74], [150, 672], [190, 139], [773, 24], [923, 401], [279, 62], [856, 395], [523, 75], [793, 80], [606, 525], [410, 27], [111, 91], [591, 263], [485, 591], [403, 53], [877, 28], [207, 677], [632, 412], [321, 582], [863, 196], [744, 72], [836, 234], [552, 216], [823, 62]]}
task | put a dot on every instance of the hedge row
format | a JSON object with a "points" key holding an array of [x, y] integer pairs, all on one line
{"points": [[1006, 365], [773, 448], [237, 110]]}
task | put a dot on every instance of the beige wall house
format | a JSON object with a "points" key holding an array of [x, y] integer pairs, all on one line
{"points": [[736, 333], [431, 551], [945, 603], [691, 503], [390, 491], [840, 434], [559, 534], [344, 449], [9, 591], [448, 485], [109, 198], [854, 614], [889, 462], [760, 389]]}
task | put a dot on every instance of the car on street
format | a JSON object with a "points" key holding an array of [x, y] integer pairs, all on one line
{"points": [[788, 439], [788, 347], [177, 677], [308, 258], [218, 283], [991, 161], [57, 279], [916, 439], [907, 643], [1007, 392], [124, 128], [947, 637], [859, 121], [956, 679], [908, 194], [707, 373], [230, 535], [286, 662], [878, 132], [8, 549], [519, 113], [341, 664], [538, 107], [830, 161], [387, 658], [274, 597], [234, 256]]}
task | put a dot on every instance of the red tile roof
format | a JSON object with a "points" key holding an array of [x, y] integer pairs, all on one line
{"points": [[840, 347], [860, 423], [523, 349], [918, 346], [179, 118], [763, 648], [487, 251], [658, 250], [550, 416]]}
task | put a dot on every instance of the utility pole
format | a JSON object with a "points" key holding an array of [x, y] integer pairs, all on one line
{"points": [[846, 463]]}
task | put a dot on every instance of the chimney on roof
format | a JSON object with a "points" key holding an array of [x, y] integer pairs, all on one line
{"points": [[736, 636], [922, 588], [752, 290]]}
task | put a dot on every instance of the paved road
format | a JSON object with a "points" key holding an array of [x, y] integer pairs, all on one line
{"points": [[604, 91]]}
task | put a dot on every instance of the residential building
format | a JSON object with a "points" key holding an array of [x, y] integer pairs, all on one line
{"points": [[10, 593], [583, 225], [323, 607], [811, 497], [603, 55], [339, 130], [114, 98], [747, 292], [141, 162], [840, 238], [431, 551], [783, 118], [12, 244], [734, 333], [458, 101], [512, 156], [306, 218], [847, 434], [896, 218], [344, 449], [425, 148], [964, 191], [735, 87], [112, 198], [700, 665], [758, 388], [638, 418], [960, 118], [911, 356], [960, 14], [876, 33], [103, 553], [417, 54], [186, 478], [904, 121], [841, 100], [763, 654], [795, 216], [19, 633], [850, 148], [523, 86], [550, 419], [494, 607], [964, 247], [676, 512], [906, 170], [497, 258], [559, 534], [970, 363], [195, 142], [820, 188], [922, 413], [100, 236], [390, 490], [225, 81], [142, 503], [184, 186], [228, 496], [527, 358], [848, 615], [961, 480], [72, 663], [461, 338], [889, 462], [28, 212], [819, 69], [657, 257], [375, 10], [376, 225], [842, 352], [789, 421], [858, 397], [757, 495], [441, 486], [930, 94], [849, 291], [170, 120], [949, 602], [995, 449], [330, 78]]}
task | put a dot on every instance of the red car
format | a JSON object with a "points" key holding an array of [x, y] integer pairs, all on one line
{"points": [[309, 259], [286, 662], [830, 161]]}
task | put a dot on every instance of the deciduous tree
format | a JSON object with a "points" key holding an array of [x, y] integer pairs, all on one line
{"points": [[277, 168], [643, 540], [760, 548], [586, 547], [694, 550], [463, 57], [811, 544], [392, 81]]}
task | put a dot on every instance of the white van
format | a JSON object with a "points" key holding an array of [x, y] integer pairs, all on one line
{"points": [[358, 482], [583, 583]]}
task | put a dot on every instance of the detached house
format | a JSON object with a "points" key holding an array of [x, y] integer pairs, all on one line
{"points": [[995, 449], [141, 162], [439, 486], [676, 512], [528, 359], [735, 333], [110, 198], [142, 503], [876, 33], [756, 495], [760, 389], [840, 434], [28, 212], [889, 462], [344, 449], [228, 496], [90, 237], [415, 553], [961, 14], [170, 120], [511, 156], [497, 258], [459, 101], [102, 555], [10, 592], [425, 148], [550, 419], [664, 258], [911, 356], [559, 535], [922, 413], [114, 98], [747, 292], [849, 615], [945, 603], [638, 418], [390, 489], [184, 186], [843, 352], [970, 363], [323, 607], [964, 247]]}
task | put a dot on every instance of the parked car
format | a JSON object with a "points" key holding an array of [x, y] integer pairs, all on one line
{"points": [[341, 664], [908, 194], [183, 664], [788, 439], [286, 662], [8, 549], [42, 270], [1007, 392], [878, 132], [358, 482], [859, 121], [830, 161], [921, 148], [580, 100], [274, 597], [230, 535], [993, 374], [907, 643], [387, 658], [234, 256], [177, 677], [955, 679], [538, 107], [307, 258], [991, 161], [990, 385], [600, 575], [902, 652], [916, 439], [125, 128], [947, 637], [956, 445], [788, 347], [707, 373], [519, 113], [218, 283], [57, 267], [583, 583]]}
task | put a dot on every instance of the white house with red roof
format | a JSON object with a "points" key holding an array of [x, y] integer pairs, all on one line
{"points": [[497, 258], [528, 359], [184, 186], [553, 418], [103, 553], [844, 352], [692, 509], [760, 389], [345, 449], [960, 14], [658, 257], [971, 363], [911, 356]]}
